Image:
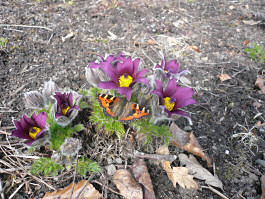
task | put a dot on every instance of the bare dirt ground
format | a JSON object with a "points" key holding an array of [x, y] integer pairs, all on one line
{"points": [[207, 37]]}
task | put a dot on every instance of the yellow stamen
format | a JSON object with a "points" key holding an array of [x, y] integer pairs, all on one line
{"points": [[169, 106], [125, 81], [65, 109], [166, 71], [34, 131]]}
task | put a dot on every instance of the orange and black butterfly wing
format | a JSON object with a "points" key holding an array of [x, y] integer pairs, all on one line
{"points": [[107, 102], [133, 113]]}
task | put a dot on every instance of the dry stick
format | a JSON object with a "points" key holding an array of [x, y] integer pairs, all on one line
{"points": [[39, 180], [215, 191], [169, 158], [6, 133], [25, 26], [97, 182], [80, 192], [76, 165], [1, 190], [13, 194]]}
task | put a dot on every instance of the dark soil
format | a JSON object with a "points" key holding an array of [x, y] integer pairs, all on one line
{"points": [[34, 55]]}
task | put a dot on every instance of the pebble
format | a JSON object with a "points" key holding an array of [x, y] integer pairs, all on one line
{"points": [[118, 160], [111, 169], [226, 152]]}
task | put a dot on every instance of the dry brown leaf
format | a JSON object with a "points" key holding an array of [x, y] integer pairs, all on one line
{"points": [[182, 177], [262, 179], [88, 193], [224, 77], [151, 42], [140, 173], [198, 171], [246, 42], [128, 187], [195, 48], [188, 142], [260, 83], [179, 175]]}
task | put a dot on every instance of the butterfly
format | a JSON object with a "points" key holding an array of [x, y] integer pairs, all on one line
{"points": [[125, 110]]}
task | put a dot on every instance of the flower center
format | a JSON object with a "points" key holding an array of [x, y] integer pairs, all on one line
{"points": [[65, 108], [125, 80], [169, 103], [34, 131]]}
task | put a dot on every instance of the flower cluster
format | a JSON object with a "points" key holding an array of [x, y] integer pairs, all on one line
{"points": [[122, 73], [64, 108]]}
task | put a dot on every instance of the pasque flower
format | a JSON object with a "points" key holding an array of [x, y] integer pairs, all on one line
{"points": [[173, 97], [110, 59], [65, 108], [94, 73], [31, 129], [124, 76], [171, 69]]}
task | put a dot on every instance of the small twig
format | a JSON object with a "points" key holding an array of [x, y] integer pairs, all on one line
{"points": [[80, 192], [215, 191], [76, 165], [26, 26], [169, 158], [13, 29], [1, 190], [97, 182], [3, 132], [13, 194]]}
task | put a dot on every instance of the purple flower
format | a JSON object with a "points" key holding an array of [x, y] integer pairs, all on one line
{"points": [[124, 76], [174, 97], [110, 59], [65, 109], [32, 128], [171, 69]]}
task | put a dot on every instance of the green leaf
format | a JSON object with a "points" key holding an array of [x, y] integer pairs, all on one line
{"points": [[45, 166], [78, 127], [86, 165], [82, 104]]}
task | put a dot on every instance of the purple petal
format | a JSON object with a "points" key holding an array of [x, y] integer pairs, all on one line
{"points": [[127, 91], [20, 134], [108, 85], [94, 65], [110, 59], [158, 66], [58, 115], [29, 121], [135, 67], [24, 124], [171, 88], [141, 73], [141, 79], [158, 93], [70, 99], [18, 125], [41, 120], [126, 67], [159, 86], [111, 71], [184, 103], [173, 65], [183, 93]]}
